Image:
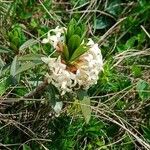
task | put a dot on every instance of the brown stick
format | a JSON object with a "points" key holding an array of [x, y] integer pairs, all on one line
{"points": [[38, 90]]}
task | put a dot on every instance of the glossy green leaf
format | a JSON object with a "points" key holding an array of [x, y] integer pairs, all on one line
{"points": [[70, 31], [72, 22], [66, 52], [78, 52], [78, 31], [74, 43]]}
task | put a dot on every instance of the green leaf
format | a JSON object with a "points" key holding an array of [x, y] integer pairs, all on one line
{"points": [[34, 23], [78, 52], [130, 43], [66, 52], [72, 22], [78, 31], [73, 43], [16, 37], [70, 32], [81, 94], [31, 57], [13, 66], [143, 89], [26, 66], [114, 7], [27, 44], [2, 63], [84, 31], [86, 108], [136, 71], [26, 147], [100, 23], [4, 85], [4, 49], [71, 29]]}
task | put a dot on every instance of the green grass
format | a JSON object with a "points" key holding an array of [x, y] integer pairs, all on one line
{"points": [[120, 101]]}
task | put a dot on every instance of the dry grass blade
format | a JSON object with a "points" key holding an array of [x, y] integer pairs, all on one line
{"points": [[145, 31], [130, 53], [122, 125], [52, 15], [109, 32]]}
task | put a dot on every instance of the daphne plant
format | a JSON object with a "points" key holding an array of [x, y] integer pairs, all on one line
{"points": [[76, 63]]}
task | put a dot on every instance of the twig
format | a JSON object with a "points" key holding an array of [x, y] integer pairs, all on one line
{"points": [[38, 90], [12, 100]]}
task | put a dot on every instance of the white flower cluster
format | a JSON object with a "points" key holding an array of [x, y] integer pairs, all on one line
{"points": [[56, 37], [59, 76], [88, 67]]}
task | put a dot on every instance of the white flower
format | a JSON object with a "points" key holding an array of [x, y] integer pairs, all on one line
{"points": [[59, 76], [56, 37], [87, 67], [58, 107]]}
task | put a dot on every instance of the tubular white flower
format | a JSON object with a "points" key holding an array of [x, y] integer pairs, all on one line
{"points": [[56, 37], [88, 67], [59, 76]]}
